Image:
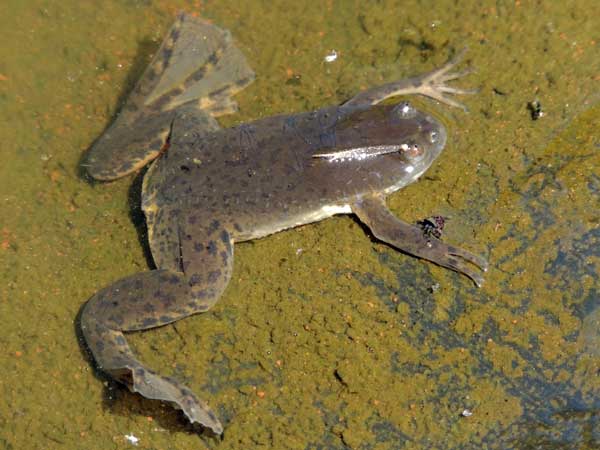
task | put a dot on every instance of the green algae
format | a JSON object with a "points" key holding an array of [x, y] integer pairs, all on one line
{"points": [[325, 338]]}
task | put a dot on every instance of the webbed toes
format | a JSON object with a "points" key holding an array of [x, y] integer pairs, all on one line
{"points": [[153, 386], [434, 83]]}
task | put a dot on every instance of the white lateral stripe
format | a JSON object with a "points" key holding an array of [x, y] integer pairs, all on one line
{"points": [[359, 153]]}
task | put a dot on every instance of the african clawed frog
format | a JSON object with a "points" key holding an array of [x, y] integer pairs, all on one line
{"points": [[208, 188]]}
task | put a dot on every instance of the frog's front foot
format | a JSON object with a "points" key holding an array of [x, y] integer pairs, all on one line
{"points": [[433, 84], [386, 227]]}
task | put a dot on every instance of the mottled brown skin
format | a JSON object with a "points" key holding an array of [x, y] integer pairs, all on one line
{"points": [[214, 187]]}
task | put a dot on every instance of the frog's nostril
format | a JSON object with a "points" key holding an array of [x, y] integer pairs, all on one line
{"points": [[412, 152]]}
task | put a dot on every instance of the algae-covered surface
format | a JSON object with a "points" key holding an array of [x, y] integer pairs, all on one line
{"points": [[325, 338]]}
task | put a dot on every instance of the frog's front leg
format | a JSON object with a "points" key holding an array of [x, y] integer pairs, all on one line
{"points": [[373, 212], [201, 269], [431, 84]]}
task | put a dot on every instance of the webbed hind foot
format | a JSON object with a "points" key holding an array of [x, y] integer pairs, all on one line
{"points": [[197, 66]]}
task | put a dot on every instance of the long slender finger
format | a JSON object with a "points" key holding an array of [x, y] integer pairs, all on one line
{"points": [[436, 95], [454, 75], [455, 90], [461, 267], [470, 257]]}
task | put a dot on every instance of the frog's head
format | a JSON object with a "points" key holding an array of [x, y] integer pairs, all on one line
{"points": [[396, 142]]}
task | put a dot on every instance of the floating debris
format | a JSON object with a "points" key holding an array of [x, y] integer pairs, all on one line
{"points": [[466, 413], [331, 57], [433, 226], [535, 109], [434, 287], [133, 440]]}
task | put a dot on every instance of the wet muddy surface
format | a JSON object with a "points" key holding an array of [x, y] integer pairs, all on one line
{"points": [[325, 338]]}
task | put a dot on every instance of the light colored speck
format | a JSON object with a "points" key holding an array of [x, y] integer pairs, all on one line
{"points": [[409, 169], [331, 56], [299, 251], [132, 439], [466, 413]]}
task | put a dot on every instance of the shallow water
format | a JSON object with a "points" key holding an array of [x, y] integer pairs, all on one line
{"points": [[325, 339]]}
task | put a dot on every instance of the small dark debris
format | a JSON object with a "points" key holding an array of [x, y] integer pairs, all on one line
{"points": [[294, 80], [535, 109], [433, 226]]}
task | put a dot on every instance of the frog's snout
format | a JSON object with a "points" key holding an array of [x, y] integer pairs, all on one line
{"points": [[432, 135]]}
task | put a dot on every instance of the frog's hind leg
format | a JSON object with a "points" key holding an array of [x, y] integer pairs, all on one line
{"points": [[197, 66], [192, 281], [431, 84]]}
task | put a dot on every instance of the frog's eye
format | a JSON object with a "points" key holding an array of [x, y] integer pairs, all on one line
{"points": [[412, 152], [405, 110]]}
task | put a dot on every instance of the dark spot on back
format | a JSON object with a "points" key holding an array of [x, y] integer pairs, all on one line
{"points": [[224, 256], [195, 279], [225, 237], [212, 248], [148, 322], [213, 276], [214, 226]]}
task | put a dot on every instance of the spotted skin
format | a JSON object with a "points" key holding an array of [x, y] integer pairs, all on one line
{"points": [[210, 187]]}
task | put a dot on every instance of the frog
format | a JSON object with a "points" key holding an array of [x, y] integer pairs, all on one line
{"points": [[208, 188]]}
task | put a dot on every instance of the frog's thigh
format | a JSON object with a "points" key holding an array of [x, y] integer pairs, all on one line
{"points": [[373, 212], [199, 249], [188, 282]]}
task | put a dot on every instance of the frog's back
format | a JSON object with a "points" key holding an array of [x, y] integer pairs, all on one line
{"points": [[250, 174], [264, 176]]}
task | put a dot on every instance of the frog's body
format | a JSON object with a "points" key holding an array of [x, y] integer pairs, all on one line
{"points": [[208, 188], [262, 177]]}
